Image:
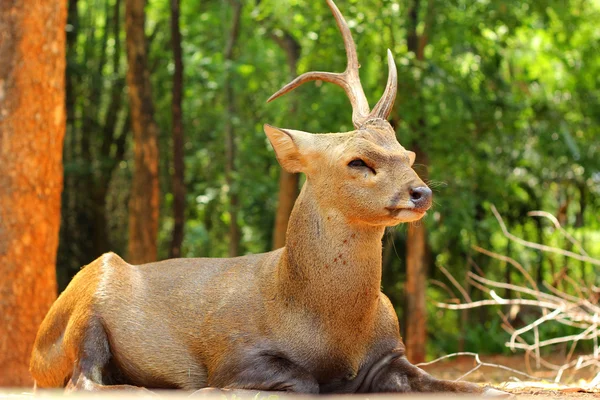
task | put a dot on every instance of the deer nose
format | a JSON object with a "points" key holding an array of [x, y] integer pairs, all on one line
{"points": [[421, 197]]}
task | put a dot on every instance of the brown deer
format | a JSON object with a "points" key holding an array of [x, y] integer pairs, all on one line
{"points": [[309, 317]]}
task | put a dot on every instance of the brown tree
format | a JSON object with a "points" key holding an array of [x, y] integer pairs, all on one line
{"points": [[416, 241], [416, 284], [32, 126], [178, 165], [230, 148], [144, 201], [288, 182], [95, 139]]}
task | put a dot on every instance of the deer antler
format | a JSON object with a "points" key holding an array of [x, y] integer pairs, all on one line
{"points": [[349, 80]]}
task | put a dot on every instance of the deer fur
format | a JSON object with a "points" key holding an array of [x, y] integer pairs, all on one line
{"points": [[309, 317]]}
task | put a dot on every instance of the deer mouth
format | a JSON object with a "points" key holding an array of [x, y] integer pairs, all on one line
{"points": [[403, 212]]}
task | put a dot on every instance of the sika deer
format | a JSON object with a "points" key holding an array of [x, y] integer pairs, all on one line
{"points": [[309, 317]]}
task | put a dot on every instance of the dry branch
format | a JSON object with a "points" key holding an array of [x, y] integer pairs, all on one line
{"points": [[580, 311], [541, 247], [476, 367]]}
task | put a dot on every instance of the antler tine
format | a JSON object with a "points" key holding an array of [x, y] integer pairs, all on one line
{"points": [[349, 80], [355, 92], [386, 103], [331, 77]]}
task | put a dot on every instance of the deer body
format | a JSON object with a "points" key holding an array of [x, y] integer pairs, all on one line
{"points": [[321, 310], [306, 318]]}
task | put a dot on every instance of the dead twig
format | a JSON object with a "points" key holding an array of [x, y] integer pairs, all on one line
{"points": [[479, 365], [579, 310], [509, 261], [456, 284], [557, 225], [541, 247]]}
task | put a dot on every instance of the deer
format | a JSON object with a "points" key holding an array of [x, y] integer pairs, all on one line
{"points": [[307, 318]]}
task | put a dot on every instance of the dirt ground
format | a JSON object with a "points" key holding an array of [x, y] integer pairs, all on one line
{"points": [[574, 385]]}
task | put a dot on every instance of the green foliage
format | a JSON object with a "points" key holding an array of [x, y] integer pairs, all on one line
{"points": [[505, 104]]}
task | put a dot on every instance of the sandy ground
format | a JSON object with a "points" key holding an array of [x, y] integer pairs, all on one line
{"points": [[574, 384], [524, 392]]}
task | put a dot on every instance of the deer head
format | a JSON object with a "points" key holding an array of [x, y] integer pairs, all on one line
{"points": [[365, 175]]}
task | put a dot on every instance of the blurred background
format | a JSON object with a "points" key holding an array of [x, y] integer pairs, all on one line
{"points": [[499, 99]]}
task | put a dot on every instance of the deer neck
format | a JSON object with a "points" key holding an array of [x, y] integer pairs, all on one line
{"points": [[330, 265]]}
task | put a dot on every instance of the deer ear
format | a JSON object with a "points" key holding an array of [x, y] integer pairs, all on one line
{"points": [[288, 145]]}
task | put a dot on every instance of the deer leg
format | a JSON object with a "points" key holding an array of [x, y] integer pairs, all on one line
{"points": [[261, 371], [395, 374], [93, 364], [83, 382], [215, 393]]}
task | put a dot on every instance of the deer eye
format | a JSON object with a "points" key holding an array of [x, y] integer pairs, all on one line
{"points": [[357, 163]]}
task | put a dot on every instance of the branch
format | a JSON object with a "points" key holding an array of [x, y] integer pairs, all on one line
{"points": [[456, 284], [557, 225], [510, 261], [445, 287], [501, 301], [541, 247], [512, 287], [479, 365]]}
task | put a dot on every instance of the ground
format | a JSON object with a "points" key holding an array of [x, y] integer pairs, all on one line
{"points": [[576, 385], [573, 384]]}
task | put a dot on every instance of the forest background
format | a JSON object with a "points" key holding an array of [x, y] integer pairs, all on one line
{"points": [[499, 99]]}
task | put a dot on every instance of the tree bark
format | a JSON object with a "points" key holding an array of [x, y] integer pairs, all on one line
{"points": [[84, 231], [580, 217], [288, 193], [178, 164], [288, 182], [32, 127], [580, 222], [230, 147], [416, 283], [144, 200], [68, 218], [416, 279], [416, 242], [108, 163]]}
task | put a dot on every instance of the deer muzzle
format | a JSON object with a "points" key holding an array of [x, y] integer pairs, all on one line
{"points": [[421, 198]]}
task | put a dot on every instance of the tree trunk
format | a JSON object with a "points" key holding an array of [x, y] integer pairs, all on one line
{"points": [[288, 193], [178, 165], [288, 182], [580, 217], [230, 148], [463, 318], [539, 275], [68, 235], [508, 294], [416, 242], [416, 284], [144, 200], [90, 142], [580, 222], [108, 162], [99, 237], [32, 127]]}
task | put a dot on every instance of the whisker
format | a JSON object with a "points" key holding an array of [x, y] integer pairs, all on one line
{"points": [[433, 185], [395, 250]]}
